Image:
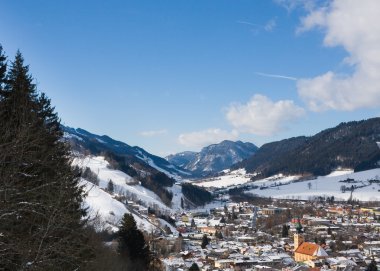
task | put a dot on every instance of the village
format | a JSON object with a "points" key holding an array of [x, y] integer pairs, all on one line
{"points": [[283, 235]]}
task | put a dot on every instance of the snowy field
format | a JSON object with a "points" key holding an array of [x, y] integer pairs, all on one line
{"points": [[232, 178], [329, 185], [287, 187]]}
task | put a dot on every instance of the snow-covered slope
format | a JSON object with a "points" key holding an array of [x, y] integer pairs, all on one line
{"points": [[106, 212], [123, 184]]}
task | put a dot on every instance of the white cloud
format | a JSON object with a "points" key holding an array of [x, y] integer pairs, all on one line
{"points": [[354, 25], [153, 133], [206, 137], [261, 116]]}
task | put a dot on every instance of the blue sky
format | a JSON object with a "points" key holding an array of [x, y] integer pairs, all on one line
{"points": [[178, 75]]}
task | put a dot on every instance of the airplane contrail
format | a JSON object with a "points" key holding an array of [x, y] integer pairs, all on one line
{"points": [[276, 76]]}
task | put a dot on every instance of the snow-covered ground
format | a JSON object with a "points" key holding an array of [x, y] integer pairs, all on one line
{"points": [[232, 178], [288, 187], [340, 172], [177, 195], [108, 210], [122, 182], [329, 185], [276, 179], [164, 223]]}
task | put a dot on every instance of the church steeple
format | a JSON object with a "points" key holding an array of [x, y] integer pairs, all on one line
{"points": [[298, 240], [299, 226], [298, 237]]}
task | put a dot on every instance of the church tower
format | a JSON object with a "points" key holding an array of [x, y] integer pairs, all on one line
{"points": [[298, 240], [298, 237]]}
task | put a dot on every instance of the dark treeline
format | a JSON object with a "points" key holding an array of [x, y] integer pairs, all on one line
{"points": [[196, 194], [42, 223]]}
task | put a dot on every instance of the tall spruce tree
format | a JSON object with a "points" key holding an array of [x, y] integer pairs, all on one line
{"points": [[3, 69], [41, 221], [132, 246]]}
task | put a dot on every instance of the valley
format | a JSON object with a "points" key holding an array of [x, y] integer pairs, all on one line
{"points": [[245, 208]]}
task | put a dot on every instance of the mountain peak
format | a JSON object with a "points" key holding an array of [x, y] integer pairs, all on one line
{"points": [[213, 158]]}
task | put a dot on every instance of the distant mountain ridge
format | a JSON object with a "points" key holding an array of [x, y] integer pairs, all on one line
{"points": [[134, 157], [213, 158], [348, 145]]}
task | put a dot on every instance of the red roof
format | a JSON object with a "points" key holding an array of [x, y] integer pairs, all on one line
{"points": [[307, 248]]}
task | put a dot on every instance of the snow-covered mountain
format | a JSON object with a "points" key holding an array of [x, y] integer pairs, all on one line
{"points": [[213, 158], [83, 141]]}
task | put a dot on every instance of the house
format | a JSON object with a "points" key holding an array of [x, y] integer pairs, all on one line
{"points": [[209, 230], [271, 211], [305, 251], [223, 264]]}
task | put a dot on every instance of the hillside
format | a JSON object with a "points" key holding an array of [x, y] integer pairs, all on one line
{"points": [[213, 158], [130, 159], [348, 145], [153, 173]]}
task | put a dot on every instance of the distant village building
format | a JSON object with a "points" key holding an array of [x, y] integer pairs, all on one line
{"points": [[271, 211]]}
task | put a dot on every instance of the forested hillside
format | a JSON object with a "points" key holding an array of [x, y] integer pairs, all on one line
{"points": [[348, 145]]}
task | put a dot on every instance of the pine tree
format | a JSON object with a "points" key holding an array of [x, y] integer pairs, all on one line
{"points": [[182, 204], [372, 266], [132, 246], [194, 267], [40, 215], [329, 231], [218, 234], [193, 225], [110, 186], [3, 69], [205, 241], [285, 231]]}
